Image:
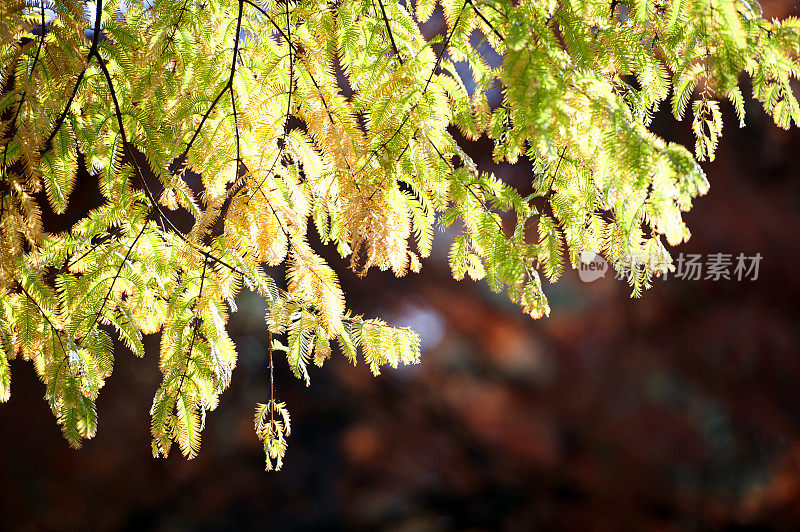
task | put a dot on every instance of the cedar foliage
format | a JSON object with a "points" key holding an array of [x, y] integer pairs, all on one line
{"points": [[342, 115]]}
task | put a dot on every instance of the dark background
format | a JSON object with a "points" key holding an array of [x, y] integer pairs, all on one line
{"points": [[679, 410]]}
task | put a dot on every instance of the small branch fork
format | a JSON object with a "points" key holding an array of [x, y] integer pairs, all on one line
{"points": [[396, 52], [292, 46], [116, 276], [288, 37], [427, 83], [413, 108], [93, 52], [228, 87], [389, 31]]}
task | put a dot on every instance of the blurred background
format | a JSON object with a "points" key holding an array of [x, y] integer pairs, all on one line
{"points": [[679, 410]]}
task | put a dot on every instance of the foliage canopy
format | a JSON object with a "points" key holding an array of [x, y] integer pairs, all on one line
{"points": [[261, 119]]}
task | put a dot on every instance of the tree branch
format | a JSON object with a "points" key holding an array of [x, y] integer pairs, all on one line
{"points": [[98, 17], [389, 31]]}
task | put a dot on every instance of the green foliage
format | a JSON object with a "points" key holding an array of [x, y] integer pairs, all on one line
{"points": [[346, 115]]}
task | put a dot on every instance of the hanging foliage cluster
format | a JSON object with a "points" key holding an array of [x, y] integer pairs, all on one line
{"points": [[265, 120]]}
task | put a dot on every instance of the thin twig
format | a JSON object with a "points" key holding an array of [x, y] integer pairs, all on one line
{"points": [[116, 276], [92, 52], [389, 31], [195, 327]]}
